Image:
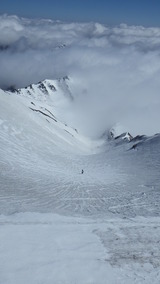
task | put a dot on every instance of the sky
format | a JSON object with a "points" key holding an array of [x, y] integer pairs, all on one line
{"points": [[112, 12]]}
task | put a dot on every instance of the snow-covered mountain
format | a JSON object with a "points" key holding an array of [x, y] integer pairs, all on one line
{"points": [[42, 155], [47, 103], [39, 149], [79, 155]]}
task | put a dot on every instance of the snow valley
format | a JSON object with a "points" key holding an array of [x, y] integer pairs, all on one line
{"points": [[79, 153]]}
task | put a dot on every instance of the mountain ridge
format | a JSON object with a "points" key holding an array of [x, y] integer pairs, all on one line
{"points": [[48, 96]]}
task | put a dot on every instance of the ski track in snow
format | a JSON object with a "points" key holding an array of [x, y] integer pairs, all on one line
{"points": [[114, 230]]}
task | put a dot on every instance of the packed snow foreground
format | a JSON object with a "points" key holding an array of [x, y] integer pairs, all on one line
{"points": [[58, 225]]}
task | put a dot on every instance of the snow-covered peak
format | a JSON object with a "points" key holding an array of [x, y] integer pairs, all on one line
{"points": [[119, 132], [45, 104], [46, 89]]}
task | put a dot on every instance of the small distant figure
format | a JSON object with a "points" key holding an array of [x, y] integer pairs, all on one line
{"points": [[82, 171]]}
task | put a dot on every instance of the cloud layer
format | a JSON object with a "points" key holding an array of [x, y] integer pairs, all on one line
{"points": [[115, 71]]}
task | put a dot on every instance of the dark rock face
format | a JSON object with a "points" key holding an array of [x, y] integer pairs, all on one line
{"points": [[42, 87], [12, 89], [52, 88]]}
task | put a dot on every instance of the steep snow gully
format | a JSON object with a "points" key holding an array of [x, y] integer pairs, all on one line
{"points": [[115, 201], [42, 158]]}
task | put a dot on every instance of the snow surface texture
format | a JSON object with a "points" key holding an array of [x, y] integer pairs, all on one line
{"points": [[46, 248], [58, 225]]}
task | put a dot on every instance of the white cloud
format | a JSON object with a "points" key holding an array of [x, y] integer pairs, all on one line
{"points": [[115, 70]]}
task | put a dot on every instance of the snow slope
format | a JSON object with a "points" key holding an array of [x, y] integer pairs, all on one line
{"points": [[111, 208], [46, 248]]}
